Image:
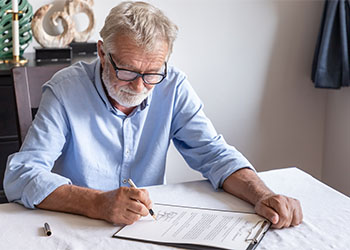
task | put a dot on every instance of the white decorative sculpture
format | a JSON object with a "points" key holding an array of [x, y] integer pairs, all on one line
{"points": [[77, 6], [71, 7]]}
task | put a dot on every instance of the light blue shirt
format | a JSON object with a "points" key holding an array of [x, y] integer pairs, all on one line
{"points": [[78, 137]]}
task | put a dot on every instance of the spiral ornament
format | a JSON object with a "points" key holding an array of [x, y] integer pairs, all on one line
{"points": [[71, 8], [49, 41]]}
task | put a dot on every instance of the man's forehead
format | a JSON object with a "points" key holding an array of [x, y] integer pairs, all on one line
{"points": [[127, 43], [129, 55]]}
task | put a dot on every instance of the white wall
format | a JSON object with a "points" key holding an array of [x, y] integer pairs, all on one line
{"points": [[250, 63]]}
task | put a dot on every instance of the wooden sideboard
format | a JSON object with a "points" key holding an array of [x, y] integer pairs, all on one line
{"points": [[9, 136]]}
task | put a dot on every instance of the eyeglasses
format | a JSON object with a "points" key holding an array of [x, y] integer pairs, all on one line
{"points": [[129, 75]]}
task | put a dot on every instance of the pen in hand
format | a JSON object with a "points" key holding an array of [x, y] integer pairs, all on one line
{"points": [[150, 210]]}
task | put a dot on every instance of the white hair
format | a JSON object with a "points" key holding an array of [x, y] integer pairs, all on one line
{"points": [[140, 21]]}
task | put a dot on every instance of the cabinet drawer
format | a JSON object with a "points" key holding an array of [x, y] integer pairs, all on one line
{"points": [[6, 148], [8, 113]]}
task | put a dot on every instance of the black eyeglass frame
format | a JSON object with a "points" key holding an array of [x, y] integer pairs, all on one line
{"points": [[137, 73]]}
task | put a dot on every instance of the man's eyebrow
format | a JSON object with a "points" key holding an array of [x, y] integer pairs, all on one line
{"points": [[126, 66]]}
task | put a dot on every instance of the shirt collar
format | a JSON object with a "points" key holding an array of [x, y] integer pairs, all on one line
{"points": [[104, 98]]}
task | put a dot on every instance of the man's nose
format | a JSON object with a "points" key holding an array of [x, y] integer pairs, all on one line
{"points": [[138, 85]]}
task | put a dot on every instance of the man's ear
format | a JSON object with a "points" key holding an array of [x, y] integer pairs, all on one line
{"points": [[101, 53]]}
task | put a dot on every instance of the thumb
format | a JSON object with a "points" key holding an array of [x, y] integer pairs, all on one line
{"points": [[268, 213], [275, 218]]}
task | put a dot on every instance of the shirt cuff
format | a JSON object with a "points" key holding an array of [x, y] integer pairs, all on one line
{"points": [[217, 179], [40, 187]]}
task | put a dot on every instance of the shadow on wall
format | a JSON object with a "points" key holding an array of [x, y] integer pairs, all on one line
{"points": [[336, 167], [292, 111]]}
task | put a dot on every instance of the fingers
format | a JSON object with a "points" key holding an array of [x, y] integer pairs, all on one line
{"points": [[298, 215], [142, 196], [268, 213], [130, 218], [280, 205], [138, 202], [137, 207], [281, 210], [125, 205]]}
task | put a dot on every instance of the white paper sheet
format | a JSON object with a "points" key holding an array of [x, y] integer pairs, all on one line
{"points": [[178, 225]]}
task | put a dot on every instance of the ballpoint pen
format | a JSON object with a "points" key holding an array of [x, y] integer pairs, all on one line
{"points": [[47, 229]]}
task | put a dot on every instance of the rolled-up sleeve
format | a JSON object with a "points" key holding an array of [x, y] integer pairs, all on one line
{"points": [[28, 177], [196, 139]]}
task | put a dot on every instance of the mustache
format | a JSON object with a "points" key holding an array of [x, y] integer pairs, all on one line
{"points": [[129, 90]]}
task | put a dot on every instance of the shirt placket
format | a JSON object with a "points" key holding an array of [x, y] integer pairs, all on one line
{"points": [[127, 151]]}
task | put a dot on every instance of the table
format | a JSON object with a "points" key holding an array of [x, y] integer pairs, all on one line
{"points": [[326, 222]]}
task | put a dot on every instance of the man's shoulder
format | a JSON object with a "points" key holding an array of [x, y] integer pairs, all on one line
{"points": [[72, 75], [175, 85], [174, 74], [174, 78]]}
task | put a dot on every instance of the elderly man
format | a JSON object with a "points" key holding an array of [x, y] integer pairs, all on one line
{"points": [[101, 123]]}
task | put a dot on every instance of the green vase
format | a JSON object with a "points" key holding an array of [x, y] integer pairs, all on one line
{"points": [[25, 32]]}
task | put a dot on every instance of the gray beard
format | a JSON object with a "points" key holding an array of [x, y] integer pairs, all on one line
{"points": [[124, 96]]}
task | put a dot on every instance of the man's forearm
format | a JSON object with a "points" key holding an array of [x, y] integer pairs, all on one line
{"points": [[246, 185], [120, 206], [73, 199]]}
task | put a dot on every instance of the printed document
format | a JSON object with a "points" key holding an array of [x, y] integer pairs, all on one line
{"points": [[191, 226]]}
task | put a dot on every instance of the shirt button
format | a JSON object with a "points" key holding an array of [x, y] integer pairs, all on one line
{"points": [[125, 181], [127, 151]]}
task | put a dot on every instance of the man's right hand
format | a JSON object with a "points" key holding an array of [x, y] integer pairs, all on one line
{"points": [[121, 206], [124, 205]]}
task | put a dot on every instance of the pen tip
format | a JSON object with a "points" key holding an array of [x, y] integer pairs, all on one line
{"points": [[154, 216]]}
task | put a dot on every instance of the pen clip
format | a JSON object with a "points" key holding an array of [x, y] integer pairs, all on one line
{"points": [[258, 235]]}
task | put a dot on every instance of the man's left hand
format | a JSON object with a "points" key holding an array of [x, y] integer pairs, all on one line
{"points": [[281, 210]]}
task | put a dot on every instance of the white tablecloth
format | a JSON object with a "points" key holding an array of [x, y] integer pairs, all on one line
{"points": [[325, 226]]}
